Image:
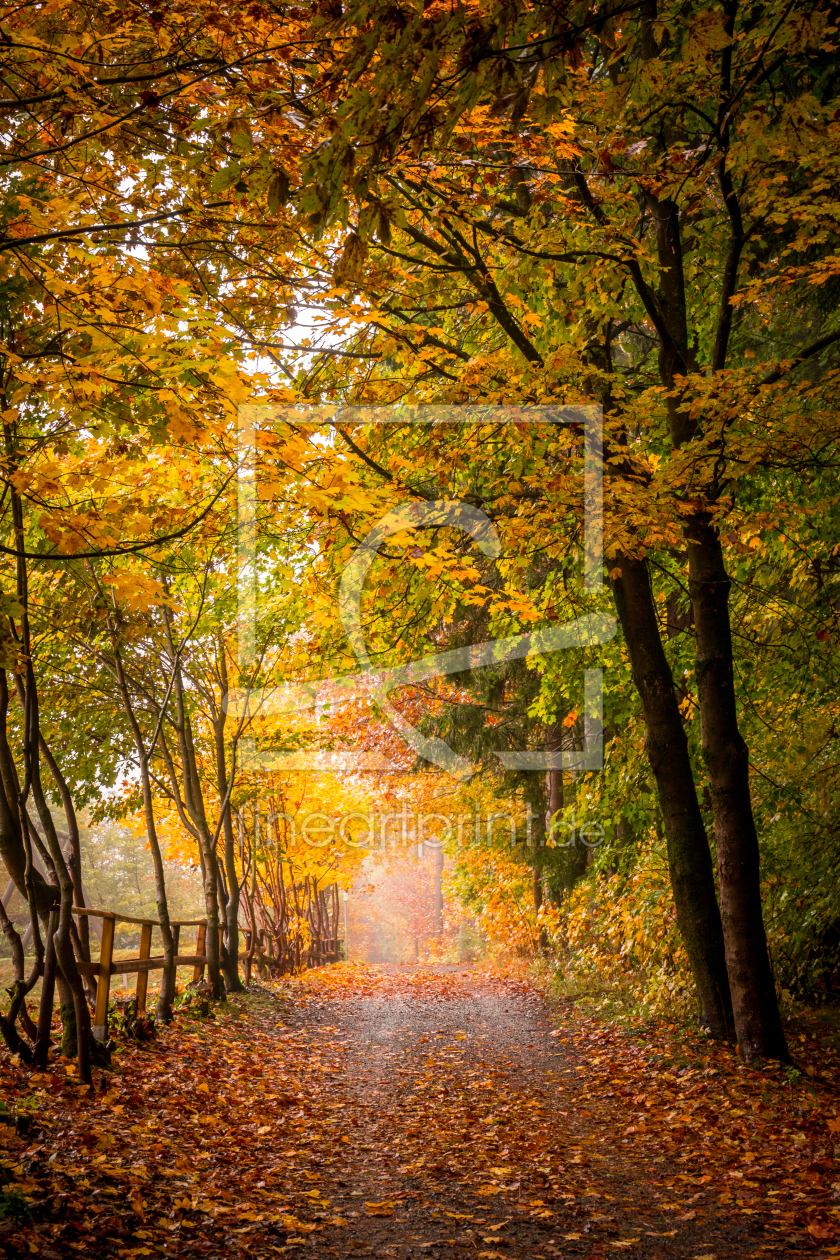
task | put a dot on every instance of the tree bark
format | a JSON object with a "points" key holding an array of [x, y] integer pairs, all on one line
{"points": [[755, 1007], [211, 866], [17, 991], [438, 917], [535, 797], [74, 1008], [166, 997], [569, 856], [15, 847], [231, 957], [689, 856], [726, 756], [74, 855], [191, 809], [45, 1010], [75, 1013]]}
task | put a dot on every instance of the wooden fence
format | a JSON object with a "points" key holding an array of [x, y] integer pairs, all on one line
{"points": [[107, 966], [261, 950], [324, 951]]}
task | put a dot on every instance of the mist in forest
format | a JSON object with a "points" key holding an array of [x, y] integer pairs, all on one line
{"points": [[398, 912]]}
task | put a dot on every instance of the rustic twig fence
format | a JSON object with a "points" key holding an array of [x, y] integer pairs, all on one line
{"points": [[260, 949]]}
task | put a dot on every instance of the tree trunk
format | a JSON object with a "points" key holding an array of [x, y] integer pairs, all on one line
{"points": [[166, 997], [75, 1013], [689, 856], [568, 859], [167, 984], [74, 855], [757, 1020], [193, 801], [45, 1011], [211, 905], [17, 991], [535, 797], [438, 919], [15, 846], [231, 960], [756, 1013]]}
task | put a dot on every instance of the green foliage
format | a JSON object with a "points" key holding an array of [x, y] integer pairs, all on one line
{"points": [[13, 1203]]}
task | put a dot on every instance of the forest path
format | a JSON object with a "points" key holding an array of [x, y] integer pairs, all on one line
{"points": [[419, 1112], [470, 1128]]}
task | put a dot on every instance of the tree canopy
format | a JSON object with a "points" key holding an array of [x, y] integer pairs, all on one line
{"points": [[269, 274]]}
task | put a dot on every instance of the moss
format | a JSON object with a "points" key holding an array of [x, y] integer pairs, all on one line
{"points": [[68, 1030]]}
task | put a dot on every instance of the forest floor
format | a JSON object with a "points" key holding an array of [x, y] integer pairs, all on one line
{"points": [[423, 1112]]}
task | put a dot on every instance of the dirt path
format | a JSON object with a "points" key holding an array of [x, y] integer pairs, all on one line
{"points": [[463, 1119], [418, 1113]]}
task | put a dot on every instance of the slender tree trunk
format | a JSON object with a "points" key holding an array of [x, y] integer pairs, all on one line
{"points": [[281, 912], [232, 981], [75, 1013], [570, 856], [15, 841], [726, 757], [80, 935], [756, 1013], [222, 898], [167, 985], [211, 874], [535, 796], [17, 991], [438, 923], [74, 1008], [555, 778], [248, 860], [211, 905], [45, 1010], [536, 889], [315, 922], [195, 804], [689, 856], [166, 997], [74, 855]]}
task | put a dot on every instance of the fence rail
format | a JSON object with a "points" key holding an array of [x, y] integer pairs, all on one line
{"points": [[108, 966], [325, 951]]}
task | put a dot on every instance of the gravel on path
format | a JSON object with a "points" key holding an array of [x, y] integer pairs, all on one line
{"points": [[462, 1133]]}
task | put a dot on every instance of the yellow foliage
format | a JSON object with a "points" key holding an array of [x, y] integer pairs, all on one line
{"points": [[622, 930]]}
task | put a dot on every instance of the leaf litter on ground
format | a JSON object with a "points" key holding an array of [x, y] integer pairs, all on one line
{"points": [[422, 1111]]}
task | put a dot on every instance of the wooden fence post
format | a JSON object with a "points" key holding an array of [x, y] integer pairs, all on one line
{"points": [[247, 960], [103, 984], [143, 976], [201, 952]]}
